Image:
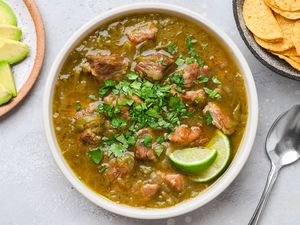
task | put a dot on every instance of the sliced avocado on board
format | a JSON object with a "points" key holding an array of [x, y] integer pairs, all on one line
{"points": [[7, 16], [5, 95], [12, 51], [7, 78], [10, 32]]}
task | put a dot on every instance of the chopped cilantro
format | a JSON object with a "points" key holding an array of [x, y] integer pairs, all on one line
{"points": [[203, 79], [92, 97], [118, 122], [213, 94], [148, 140], [136, 85], [103, 91], [189, 45], [78, 106], [96, 155], [153, 112], [132, 75], [190, 60], [208, 118], [122, 139], [177, 78], [103, 168], [158, 151], [172, 48], [117, 150], [109, 83], [163, 62], [179, 62], [215, 80], [160, 140]]}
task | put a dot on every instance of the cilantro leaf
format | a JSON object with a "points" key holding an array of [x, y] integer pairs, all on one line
{"points": [[132, 75], [93, 97], [109, 83], [103, 168], [208, 118], [158, 151], [78, 106], [213, 94], [172, 48], [96, 155], [179, 62], [215, 80], [148, 140], [203, 79], [117, 150]]}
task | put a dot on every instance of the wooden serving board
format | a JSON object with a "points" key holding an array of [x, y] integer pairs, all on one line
{"points": [[27, 71]]}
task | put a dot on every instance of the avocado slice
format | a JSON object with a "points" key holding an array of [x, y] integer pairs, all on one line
{"points": [[7, 16], [12, 51], [10, 32], [5, 95], [7, 78]]}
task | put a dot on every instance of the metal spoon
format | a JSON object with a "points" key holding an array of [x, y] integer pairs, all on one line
{"points": [[283, 148]]}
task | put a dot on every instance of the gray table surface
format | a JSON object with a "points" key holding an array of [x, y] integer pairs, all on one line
{"points": [[34, 192]]}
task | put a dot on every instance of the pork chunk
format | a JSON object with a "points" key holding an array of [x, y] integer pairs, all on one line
{"points": [[105, 67], [192, 72], [196, 97], [185, 135], [174, 181], [90, 136], [149, 190], [220, 118], [143, 152], [119, 168], [142, 33], [154, 66]]}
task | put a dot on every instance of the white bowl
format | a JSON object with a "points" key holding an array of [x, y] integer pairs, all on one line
{"points": [[215, 189]]}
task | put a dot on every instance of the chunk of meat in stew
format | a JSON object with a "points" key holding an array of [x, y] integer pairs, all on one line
{"points": [[90, 136], [174, 181], [141, 151], [192, 72], [149, 190], [142, 33], [185, 135], [154, 66], [119, 167], [89, 121], [105, 67], [197, 97], [220, 118]]}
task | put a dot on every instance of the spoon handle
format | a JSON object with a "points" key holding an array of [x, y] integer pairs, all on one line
{"points": [[267, 190]]}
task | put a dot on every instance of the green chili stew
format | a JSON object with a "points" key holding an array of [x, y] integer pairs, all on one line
{"points": [[136, 90]]}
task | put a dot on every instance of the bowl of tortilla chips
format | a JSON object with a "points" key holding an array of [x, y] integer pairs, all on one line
{"points": [[271, 30]]}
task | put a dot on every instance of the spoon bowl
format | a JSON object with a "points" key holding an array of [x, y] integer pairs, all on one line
{"points": [[283, 148], [283, 140]]}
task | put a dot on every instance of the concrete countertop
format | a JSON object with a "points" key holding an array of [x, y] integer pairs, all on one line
{"points": [[33, 191]]}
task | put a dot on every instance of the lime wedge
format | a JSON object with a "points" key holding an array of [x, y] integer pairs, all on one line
{"points": [[221, 143], [193, 160]]}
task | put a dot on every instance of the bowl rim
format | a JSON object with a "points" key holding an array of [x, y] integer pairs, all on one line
{"points": [[218, 186]]}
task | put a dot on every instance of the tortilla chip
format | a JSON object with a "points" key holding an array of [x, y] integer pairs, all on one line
{"points": [[287, 43], [290, 53], [296, 36], [285, 5], [287, 14], [295, 58], [260, 21], [293, 63]]}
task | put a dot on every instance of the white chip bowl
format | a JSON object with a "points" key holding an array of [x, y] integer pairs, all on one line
{"points": [[236, 165]]}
